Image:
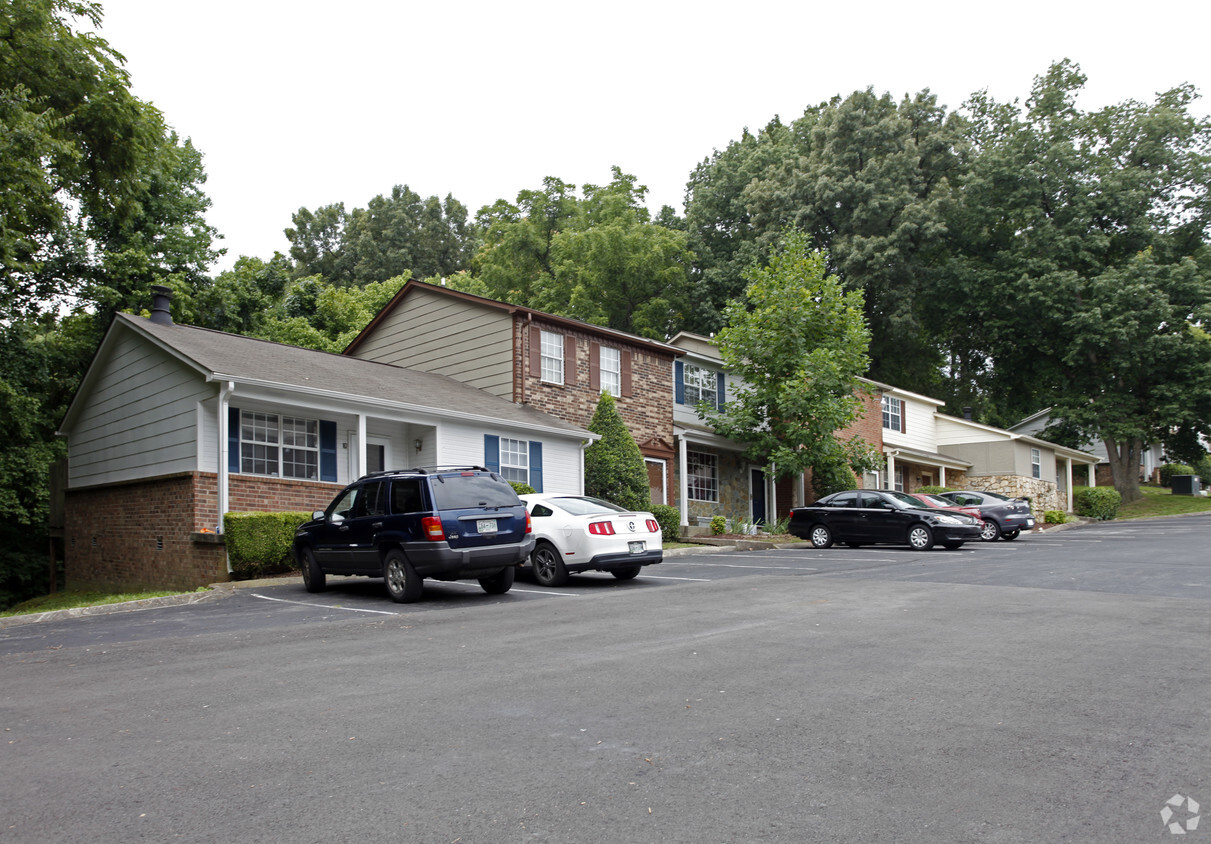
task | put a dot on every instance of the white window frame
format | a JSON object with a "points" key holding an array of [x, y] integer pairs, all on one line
{"points": [[552, 348], [610, 362], [893, 408], [701, 385], [272, 436], [1036, 463], [702, 476], [515, 460]]}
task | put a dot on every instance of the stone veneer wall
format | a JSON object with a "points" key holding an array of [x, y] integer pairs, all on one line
{"points": [[1043, 495], [150, 533]]}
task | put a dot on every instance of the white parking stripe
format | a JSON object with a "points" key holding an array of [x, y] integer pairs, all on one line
{"points": [[321, 606], [666, 577]]}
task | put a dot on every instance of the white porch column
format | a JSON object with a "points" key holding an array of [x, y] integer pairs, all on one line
{"points": [[360, 456], [225, 391], [889, 480], [1089, 467], [941, 476], [771, 511], [683, 484], [1068, 475]]}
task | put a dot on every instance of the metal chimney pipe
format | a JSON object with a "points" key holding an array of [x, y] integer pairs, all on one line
{"points": [[967, 413], [161, 299]]}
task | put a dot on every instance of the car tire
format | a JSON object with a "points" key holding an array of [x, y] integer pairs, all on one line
{"points": [[952, 546], [314, 579], [1011, 535], [404, 585], [920, 538], [628, 573], [499, 583], [821, 537], [548, 568], [990, 531]]}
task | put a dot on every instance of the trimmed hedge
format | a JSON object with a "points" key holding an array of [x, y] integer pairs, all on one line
{"points": [[933, 490], [1055, 517], [522, 489], [1096, 502], [670, 521], [259, 543]]}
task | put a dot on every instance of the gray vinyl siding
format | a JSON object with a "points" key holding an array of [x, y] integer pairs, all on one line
{"points": [[447, 336], [987, 458], [141, 420]]}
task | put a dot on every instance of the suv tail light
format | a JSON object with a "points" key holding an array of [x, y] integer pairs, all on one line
{"points": [[653, 525], [529, 524], [431, 526], [601, 528]]}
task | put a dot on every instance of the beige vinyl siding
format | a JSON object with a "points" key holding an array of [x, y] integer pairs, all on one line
{"points": [[435, 333], [919, 428], [987, 458], [142, 418]]}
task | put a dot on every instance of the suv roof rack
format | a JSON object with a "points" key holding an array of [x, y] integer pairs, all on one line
{"points": [[424, 470]]}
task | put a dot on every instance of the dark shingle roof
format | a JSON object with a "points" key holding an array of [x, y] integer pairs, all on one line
{"points": [[249, 359]]}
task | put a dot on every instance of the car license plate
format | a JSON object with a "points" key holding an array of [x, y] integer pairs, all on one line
{"points": [[1030, 523], [636, 547], [485, 525]]}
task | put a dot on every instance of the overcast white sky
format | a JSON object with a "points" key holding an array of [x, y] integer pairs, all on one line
{"points": [[307, 103]]}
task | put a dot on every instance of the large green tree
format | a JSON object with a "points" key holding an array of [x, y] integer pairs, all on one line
{"points": [[1079, 252], [798, 342]]}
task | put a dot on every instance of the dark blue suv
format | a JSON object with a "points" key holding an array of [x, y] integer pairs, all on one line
{"points": [[462, 523]]}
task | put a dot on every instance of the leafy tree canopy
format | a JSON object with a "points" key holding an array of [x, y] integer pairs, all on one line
{"points": [[798, 340]]}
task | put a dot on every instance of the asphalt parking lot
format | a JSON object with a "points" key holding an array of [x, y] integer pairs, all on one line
{"points": [[1054, 688]]}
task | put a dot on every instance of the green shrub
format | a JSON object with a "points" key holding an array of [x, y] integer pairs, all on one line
{"points": [[522, 489], [718, 525], [932, 490], [613, 466], [670, 521], [1203, 469], [259, 543], [1055, 517], [1096, 502], [1170, 469]]}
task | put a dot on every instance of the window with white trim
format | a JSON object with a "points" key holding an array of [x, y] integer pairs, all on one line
{"points": [[279, 446], [1036, 463], [893, 413], [702, 476], [515, 460], [701, 385], [611, 371], [552, 357]]}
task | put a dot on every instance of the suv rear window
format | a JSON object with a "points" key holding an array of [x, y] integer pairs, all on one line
{"points": [[462, 492]]}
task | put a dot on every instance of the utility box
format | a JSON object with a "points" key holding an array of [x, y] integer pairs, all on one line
{"points": [[1185, 484]]}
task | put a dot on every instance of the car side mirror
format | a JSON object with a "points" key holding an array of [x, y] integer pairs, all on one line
{"points": [[317, 515]]}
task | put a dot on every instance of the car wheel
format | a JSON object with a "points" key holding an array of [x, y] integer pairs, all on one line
{"points": [[920, 538], [1011, 535], [549, 569], [628, 573], [821, 537], [313, 577], [952, 546], [404, 585], [499, 583], [989, 532]]}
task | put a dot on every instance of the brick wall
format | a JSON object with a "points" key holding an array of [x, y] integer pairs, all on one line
{"points": [[868, 426], [647, 412], [142, 534]]}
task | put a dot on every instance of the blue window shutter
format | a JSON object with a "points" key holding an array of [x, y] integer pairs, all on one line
{"points": [[328, 452], [720, 389], [679, 382], [492, 453], [536, 465], [233, 439]]}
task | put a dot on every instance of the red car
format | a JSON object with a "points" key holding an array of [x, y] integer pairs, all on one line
{"points": [[943, 504]]}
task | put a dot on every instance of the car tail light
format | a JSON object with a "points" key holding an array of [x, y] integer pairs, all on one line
{"points": [[601, 528], [653, 525], [529, 524], [431, 526]]}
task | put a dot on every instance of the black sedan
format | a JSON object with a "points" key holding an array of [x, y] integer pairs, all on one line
{"points": [[1003, 517], [867, 516]]}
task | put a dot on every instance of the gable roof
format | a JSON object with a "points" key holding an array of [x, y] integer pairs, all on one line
{"points": [[412, 285], [218, 356]]}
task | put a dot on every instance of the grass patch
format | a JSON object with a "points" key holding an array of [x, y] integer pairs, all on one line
{"points": [[72, 600], [1159, 501]]}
